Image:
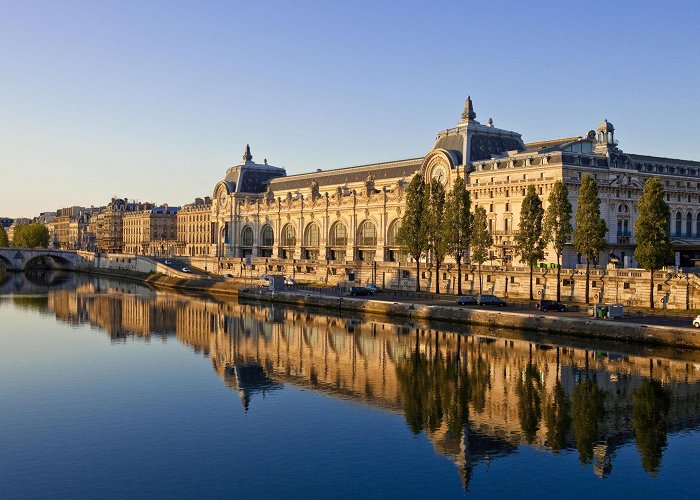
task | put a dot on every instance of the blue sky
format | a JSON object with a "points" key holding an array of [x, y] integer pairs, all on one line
{"points": [[154, 100]]}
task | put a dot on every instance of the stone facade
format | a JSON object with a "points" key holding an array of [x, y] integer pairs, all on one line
{"points": [[70, 228], [327, 225], [151, 231], [194, 228], [108, 224]]}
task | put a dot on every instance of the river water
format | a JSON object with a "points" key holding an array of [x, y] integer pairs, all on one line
{"points": [[109, 389]]}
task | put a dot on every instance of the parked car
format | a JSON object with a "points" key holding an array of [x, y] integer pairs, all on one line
{"points": [[373, 288], [228, 275], [466, 300], [358, 291], [290, 282], [167, 262], [490, 300], [186, 270], [546, 305], [696, 321]]}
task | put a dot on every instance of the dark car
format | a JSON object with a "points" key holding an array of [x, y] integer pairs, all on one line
{"points": [[553, 305], [373, 288], [357, 291], [466, 300], [490, 300]]}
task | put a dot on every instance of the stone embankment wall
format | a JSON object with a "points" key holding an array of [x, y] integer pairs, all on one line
{"points": [[125, 265], [630, 287], [558, 325]]}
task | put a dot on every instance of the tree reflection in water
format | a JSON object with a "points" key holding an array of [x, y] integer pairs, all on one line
{"points": [[556, 415], [650, 406], [529, 400], [588, 405]]}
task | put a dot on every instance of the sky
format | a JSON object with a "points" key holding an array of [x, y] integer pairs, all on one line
{"points": [[154, 100]]}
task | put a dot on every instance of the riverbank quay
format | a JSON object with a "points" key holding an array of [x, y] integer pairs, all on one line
{"points": [[639, 333], [198, 284], [405, 308]]}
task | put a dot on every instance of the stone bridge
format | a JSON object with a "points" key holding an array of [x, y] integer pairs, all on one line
{"points": [[18, 259]]}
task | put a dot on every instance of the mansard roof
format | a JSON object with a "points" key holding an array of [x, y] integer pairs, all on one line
{"points": [[340, 176], [659, 159], [251, 177]]}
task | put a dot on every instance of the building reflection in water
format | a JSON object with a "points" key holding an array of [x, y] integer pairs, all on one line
{"points": [[477, 397]]}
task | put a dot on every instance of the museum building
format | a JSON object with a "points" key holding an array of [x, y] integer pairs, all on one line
{"points": [[328, 224]]}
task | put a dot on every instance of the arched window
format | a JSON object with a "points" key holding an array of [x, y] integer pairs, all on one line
{"points": [[267, 236], [679, 218], [367, 235], [247, 237], [391, 233], [289, 236], [337, 241], [689, 225], [338, 236], [395, 253], [312, 236], [367, 241]]}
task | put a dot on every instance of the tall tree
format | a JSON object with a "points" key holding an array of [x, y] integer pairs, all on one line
{"points": [[528, 238], [651, 231], [4, 242], [481, 240], [413, 232], [437, 239], [589, 234], [557, 227], [30, 236], [458, 225]]}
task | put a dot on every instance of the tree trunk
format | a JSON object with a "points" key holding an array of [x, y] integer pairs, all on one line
{"points": [[531, 296], [651, 294], [480, 281], [459, 275], [418, 275], [588, 277], [558, 278], [437, 277]]}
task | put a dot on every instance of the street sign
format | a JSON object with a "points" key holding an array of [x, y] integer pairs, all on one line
{"points": [[248, 261]]}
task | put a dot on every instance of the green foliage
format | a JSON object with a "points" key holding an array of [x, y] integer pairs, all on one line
{"points": [[458, 225], [589, 234], [30, 236], [588, 411], [557, 228], [529, 243], [437, 239], [4, 242], [481, 239], [413, 233], [528, 238], [458, 219], [650, 407], [651, 229]]}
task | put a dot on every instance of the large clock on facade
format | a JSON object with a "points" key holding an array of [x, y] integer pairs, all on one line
{"points": [[222, 199], [439, 174]]}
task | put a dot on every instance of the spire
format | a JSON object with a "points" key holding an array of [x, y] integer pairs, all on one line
{"points": [[247, 156], [468, 113]]}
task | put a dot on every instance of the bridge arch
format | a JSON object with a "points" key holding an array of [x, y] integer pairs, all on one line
{"points": [[50, 261]]}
